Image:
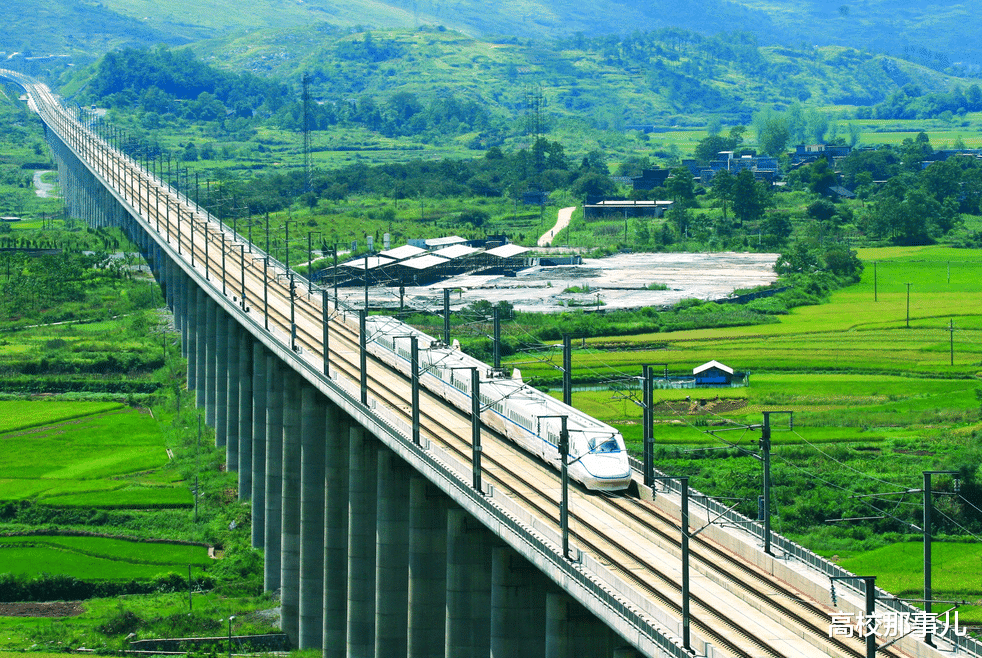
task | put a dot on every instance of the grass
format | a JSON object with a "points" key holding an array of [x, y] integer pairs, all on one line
{"points": [[875, 403], [96, 558], [22, 414], [88, 456], [899, 569], [149, 616], [859, 331]]}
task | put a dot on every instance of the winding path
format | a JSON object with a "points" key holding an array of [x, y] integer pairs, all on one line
{"points": [[41, 188], [562, 221]]}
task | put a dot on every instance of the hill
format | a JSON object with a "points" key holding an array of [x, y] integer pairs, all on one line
{"points": [[666, 77], [78, 29], [941, 37]]}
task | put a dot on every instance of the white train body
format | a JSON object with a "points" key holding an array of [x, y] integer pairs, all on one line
{"points": [[527, 416]]}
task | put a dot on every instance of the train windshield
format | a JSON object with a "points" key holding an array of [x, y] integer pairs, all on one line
{"points": [[601, 445]]}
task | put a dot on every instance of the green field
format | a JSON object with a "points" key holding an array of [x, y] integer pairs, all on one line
{"points": [[875, 403], [84, 454], [96, 558], [22, 414], [956, 573]]}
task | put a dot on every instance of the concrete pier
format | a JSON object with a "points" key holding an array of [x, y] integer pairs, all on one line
{"points": [[211, 361], [245, 414], [468, 631], [201, 347], [221, 377], [260, 361], [290, 532], [517, 602], [274, 473], [427, 569], [232, 395], [312, 430], [337, 442], [392, 558], [362, 491]]}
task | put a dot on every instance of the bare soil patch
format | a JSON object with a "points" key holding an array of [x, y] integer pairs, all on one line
{"points": [[42, 609]]}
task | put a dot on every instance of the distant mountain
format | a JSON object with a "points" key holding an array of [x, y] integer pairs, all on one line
{"points": [[71, 27], [940, 36], [936, 34]]}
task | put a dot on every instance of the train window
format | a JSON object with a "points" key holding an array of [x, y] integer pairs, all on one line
{"points": [[603, 446]]}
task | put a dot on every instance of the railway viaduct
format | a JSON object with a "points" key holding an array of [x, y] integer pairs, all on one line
{"points": [[382, 545]]}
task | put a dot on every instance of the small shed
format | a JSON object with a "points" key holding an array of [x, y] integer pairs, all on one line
{"points": [[713, 373]]}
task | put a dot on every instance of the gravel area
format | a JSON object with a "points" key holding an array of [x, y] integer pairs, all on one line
{"points": [[619, 281]]}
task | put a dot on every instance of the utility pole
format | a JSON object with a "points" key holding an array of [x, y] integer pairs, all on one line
{"points": [[648, 420], [684, 491], [265, 290], [927, 542], [310, 261], [476, 428], [325, 319], [308, 173], [951, 341], [414, 364], [293, 310], [363, 353], [446, 316], [869, 587], [567, 370], [765, 446], [335, 276], [366, 282], [496, 319], [475, 425]]}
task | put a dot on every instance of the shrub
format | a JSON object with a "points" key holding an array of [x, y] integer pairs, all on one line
{"points": [[122, 623]]}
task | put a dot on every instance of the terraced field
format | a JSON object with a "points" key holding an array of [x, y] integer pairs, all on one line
{"points": [[96, 558], [91, 454]]}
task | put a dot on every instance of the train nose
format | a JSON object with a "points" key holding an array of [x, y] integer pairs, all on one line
{"points": [[608, 466]]}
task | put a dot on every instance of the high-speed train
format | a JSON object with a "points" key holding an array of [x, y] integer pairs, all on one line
{"points": [[597, 456]]}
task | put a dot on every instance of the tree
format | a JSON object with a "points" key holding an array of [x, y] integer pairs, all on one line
{"points": [[843, 262], [915, 151], [773, 134], [593, 184], [722, 188], [681, 187], [942, 180], [709, 148], [823, 210], [642, 233], [822, 177], [749, 197], [775, 229], [799, 259], [908, 215]]}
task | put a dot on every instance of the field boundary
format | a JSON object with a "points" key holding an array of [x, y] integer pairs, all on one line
{"points": [[53, 532]]}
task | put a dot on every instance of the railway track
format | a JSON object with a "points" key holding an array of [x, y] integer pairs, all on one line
{"points": [[653, 536]]}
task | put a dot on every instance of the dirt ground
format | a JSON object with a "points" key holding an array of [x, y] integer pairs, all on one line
{"points": [[42, 609]]}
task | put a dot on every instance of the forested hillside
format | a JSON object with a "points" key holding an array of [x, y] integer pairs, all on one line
{"points": [[440, 86]]}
